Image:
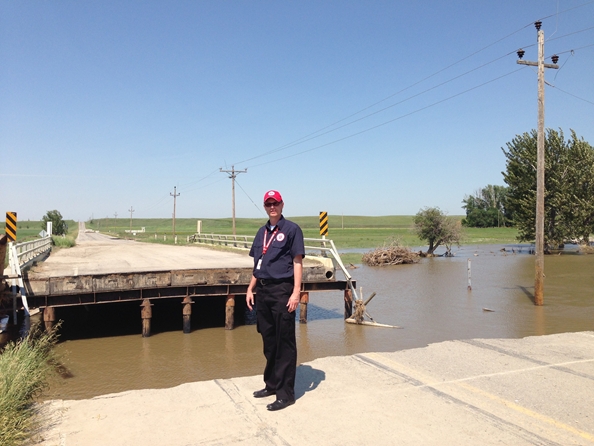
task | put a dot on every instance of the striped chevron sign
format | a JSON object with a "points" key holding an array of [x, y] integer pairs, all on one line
{"points": [[323, 223], [11, 226]]}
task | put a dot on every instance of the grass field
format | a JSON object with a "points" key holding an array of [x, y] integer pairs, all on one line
{"points": [[30, 229], [346, 232]]}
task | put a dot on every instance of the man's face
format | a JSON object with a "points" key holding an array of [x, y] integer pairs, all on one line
{"points": [[273, 208]]}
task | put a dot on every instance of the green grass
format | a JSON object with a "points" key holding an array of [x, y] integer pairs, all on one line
{"points": [[346, 231], [30, 229], [63, 242], [25, 369], [484, 236]]}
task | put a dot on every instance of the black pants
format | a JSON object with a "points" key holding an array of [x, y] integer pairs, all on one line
{"points": [[277, 327]]}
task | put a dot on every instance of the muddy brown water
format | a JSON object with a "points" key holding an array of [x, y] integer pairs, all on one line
{"points": [[430, 301]]}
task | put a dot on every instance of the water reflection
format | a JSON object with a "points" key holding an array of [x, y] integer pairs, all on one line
{"points": [[429, 300]]}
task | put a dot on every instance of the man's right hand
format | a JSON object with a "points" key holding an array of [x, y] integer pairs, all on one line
{"points": [[249, 299]]}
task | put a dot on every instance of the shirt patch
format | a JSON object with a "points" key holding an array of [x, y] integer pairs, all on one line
{"points": [[280, 236]]}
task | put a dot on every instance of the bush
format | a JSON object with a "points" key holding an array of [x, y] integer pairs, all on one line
{"points": [[25, 367], [63, 242]]}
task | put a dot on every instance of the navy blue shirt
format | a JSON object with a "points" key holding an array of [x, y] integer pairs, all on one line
{"points": [[287, 244]]}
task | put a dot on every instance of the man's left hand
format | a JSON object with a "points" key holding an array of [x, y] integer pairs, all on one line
{"points": [[293, 302]]}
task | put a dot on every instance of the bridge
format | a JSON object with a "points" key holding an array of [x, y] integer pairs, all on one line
{"points": [[105, 270]]}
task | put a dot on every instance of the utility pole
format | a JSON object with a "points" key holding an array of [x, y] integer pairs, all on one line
{"points": [[540, 164], [174, 195], [115, 215], [232, 174], [131, 211]]}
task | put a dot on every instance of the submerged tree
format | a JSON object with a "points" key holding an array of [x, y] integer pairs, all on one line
{"points": [[569, 187], [435, 227]]}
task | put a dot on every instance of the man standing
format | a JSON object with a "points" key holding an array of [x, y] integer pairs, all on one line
{"points": [[278, 252]]}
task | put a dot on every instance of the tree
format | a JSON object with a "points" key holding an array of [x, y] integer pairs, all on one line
{"points": [[569, 187], [432, 225], [487, 208], [59, 226]]}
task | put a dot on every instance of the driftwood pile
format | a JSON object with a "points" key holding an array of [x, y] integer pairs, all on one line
{"points": [[392, 254]]}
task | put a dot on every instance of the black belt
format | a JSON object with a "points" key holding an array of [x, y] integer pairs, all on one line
{"points": [[264, 282]]}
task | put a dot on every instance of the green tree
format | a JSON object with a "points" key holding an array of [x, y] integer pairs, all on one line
{"points": [[487, 207], [569, 187], [59, 226], [433, 226]]}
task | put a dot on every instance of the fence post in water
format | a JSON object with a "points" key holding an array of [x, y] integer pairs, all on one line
{"points": [[348, 304], [230, 312], [303, 301], [146, 313], [49, 317], [469, 284], [187, 313]]}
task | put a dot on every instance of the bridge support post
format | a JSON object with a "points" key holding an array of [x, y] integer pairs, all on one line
{"points": [[146, 313], [348, 304], [187, 313], [303, 301], [230, 312], [49, 317]]}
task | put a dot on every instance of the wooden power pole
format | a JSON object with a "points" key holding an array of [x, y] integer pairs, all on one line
{"points": [[174, 195], [232, 174], [540, 165], [131, 212]]}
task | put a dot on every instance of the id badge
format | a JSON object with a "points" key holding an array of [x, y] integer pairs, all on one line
{"points": [[259, 263]]}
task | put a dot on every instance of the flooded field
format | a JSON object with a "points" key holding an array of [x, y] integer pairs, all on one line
{"points": [[430, 301]]}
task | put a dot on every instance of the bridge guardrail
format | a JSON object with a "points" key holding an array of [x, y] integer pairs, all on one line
{"points": [[28, 251], [236, 241], [19, 256], [325, 246]]}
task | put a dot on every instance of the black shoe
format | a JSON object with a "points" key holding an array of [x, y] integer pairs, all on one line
{"points": [[263, 393], [280, 404]]}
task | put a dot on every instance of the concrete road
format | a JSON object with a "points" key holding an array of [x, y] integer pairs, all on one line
{"points": [[532, 391], [96, 253]]}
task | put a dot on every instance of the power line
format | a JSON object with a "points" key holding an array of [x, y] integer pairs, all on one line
{"points": [[250, 198], [389, 121], [574, 49], [311, 135], [571, 34], [402, 101], [562, 12], [570, 94]]}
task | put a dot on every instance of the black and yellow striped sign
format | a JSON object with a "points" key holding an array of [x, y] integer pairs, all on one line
{"points": [[323, 223], [11, 226]]}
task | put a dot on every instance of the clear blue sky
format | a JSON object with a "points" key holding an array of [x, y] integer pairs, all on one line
{"points": [[106, 105]]}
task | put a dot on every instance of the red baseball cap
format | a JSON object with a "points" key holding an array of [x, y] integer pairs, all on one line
{"points": [[273, 194]]}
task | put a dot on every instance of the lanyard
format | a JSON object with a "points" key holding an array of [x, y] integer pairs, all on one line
{"points": [[266, 245]]}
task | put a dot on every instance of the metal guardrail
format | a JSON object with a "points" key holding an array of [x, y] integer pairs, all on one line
{"points": [[235, 241], [28, 251], [325, 246], [21, 255]]}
